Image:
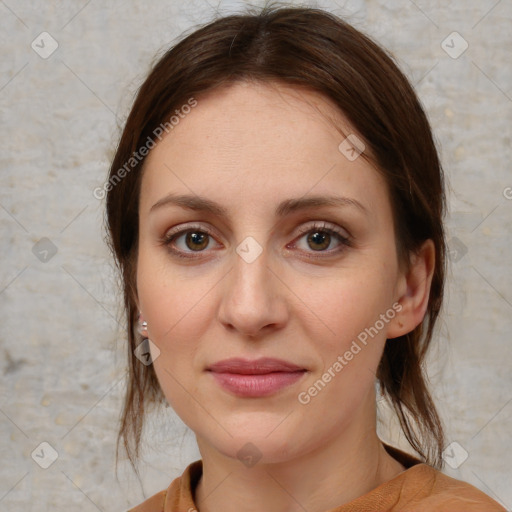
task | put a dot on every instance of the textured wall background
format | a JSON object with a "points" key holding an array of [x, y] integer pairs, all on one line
{"points": [[62, 358]]}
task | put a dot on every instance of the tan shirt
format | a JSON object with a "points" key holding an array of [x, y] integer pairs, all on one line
{"points": [[420, 488]]}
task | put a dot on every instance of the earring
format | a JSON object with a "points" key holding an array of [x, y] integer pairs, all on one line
{"points": [[142, 327], [146, 351]]}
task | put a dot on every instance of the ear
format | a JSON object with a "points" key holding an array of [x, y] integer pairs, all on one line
{"points": [[414, 291]]}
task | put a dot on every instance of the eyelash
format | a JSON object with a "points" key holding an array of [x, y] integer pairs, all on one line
{"points": [[322, 227]]}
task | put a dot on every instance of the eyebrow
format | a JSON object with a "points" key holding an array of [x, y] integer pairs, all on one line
{"points": [[202, 204]]}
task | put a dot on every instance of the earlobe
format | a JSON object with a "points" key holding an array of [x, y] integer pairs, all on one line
{"points": [[142, 326], [415, 291]]}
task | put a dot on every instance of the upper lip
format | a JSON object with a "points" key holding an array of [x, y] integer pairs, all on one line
{"points": [[253, 367]]}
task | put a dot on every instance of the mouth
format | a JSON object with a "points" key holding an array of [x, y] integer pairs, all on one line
{"points": [[256, 378]]}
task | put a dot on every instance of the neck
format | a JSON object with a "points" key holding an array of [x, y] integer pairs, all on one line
{"points": [[348, 466]]}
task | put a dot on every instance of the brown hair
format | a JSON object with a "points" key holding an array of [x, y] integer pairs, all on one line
{"points": [[301, 47]]}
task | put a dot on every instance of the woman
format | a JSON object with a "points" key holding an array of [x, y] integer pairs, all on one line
{"points": [[275, 206]]}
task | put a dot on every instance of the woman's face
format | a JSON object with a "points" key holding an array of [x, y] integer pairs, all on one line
{"points": [[262, 237]]}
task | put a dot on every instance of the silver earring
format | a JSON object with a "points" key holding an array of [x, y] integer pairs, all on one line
{"points": [[142, 327]]}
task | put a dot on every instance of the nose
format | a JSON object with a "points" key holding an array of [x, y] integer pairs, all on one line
{"points": [[253, 299]]}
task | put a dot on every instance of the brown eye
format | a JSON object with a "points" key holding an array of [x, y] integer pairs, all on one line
{"points": [[187, 241], [319, 240], [196, 240]]}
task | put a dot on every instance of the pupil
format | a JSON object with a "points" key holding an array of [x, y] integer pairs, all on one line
{"points": [[320, 238]]}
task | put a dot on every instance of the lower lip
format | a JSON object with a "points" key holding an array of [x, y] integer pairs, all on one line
{"points": [[257, 385]]}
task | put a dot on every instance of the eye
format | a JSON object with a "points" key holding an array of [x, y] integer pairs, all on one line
{"points": [[183, 242], [320, 236], [186, 241]]}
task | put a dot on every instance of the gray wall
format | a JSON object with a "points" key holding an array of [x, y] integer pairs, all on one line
{"points": [[62, 357]]}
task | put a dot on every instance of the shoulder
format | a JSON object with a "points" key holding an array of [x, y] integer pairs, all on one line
{"points": [[153, 504], [423, 488], [427, 489], [178, 496]]}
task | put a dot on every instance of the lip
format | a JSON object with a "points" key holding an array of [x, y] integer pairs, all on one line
{"points": [[255, 378]]}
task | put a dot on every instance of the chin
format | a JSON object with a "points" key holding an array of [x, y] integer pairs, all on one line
{"points": [[250, 451], [255, 443]]}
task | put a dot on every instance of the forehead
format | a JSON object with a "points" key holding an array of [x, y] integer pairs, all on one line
{"points": [[260, 117], [258, 140]]}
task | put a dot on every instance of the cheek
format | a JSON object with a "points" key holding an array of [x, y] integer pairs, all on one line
{"points": [[343, 307], [349, 345], [176, 316], [178, 312], [168, 297]]}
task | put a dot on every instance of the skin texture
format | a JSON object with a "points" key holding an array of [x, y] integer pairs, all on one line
{"points": [[249, 147]]}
